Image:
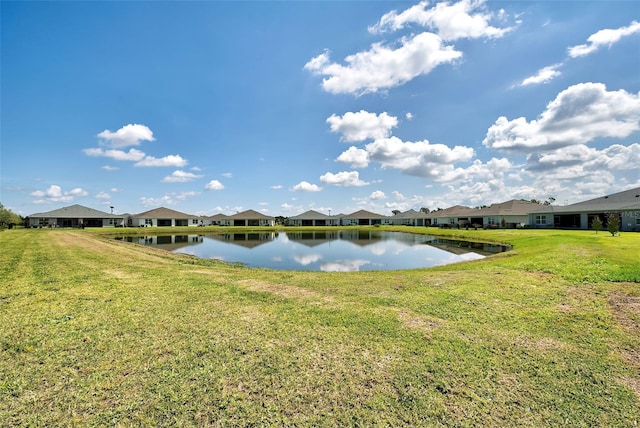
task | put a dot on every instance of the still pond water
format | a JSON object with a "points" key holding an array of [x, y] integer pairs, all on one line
{"points": [[331, 251]]}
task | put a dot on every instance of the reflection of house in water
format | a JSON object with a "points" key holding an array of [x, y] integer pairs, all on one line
{"points": [[462, 247], [166, 242], [313, 238], [247, 240], [360, 237]]}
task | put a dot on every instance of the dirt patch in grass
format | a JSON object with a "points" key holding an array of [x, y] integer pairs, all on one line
{"points": [[283, 290], [626, 311], [418, 322]]}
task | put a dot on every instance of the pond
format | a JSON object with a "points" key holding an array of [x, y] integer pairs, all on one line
{"points": [[327, 251]]}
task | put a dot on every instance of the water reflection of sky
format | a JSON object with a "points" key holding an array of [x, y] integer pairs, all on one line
{"points": [[344, 251]]}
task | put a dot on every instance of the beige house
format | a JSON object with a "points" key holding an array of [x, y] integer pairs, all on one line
{"points": [[252, 218], [75, 216], [410, 218], [163, 217], [364, 218], [313, 218], [217, 220]]}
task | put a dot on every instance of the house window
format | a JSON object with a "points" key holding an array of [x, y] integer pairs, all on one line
{"points": [[491, 220], [541, 220], [148, 222], [194, 221], [638, 221]]}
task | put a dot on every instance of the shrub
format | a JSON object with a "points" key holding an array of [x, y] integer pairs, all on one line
{"points": [[597, 224], [613, 222]]}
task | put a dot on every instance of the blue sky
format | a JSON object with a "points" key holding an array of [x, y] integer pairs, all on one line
{"points": [[208, 107]]}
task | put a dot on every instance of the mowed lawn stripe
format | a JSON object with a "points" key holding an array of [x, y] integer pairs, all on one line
{"points": [[103, 332]]}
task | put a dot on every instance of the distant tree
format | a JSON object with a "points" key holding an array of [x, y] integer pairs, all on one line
{"points": [[613, 223], [396, 212], [8, 217], [597, 224], [425, 210], [280, 219], [549, 201], [534, 201]]}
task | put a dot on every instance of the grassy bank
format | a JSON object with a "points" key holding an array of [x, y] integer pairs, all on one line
{"points": [[101, 332]]}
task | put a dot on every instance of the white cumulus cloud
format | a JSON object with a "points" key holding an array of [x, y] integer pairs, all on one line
{"points": [[383, 66], [544, 75], [214, 185], [377, 195], [577, 115], [465, 19], [421, 158], [180, 176], [128, 135], [55, 194], [170, 160], [358, 158], [121, 155], [606, 37], [344, 178], [359, 126], [305, 186]]}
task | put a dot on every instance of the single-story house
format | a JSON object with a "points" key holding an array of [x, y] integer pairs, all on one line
{"points": [[252, 218], [454, 216], [509, 214], [313, 218], [410, 218], [75, 216], [217, 220], [163, 217], [364, 218], [625, 205]]}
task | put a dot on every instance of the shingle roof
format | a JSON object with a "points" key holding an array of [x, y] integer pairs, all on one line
{"points": [[628, 200], [218, 216], [163, 212], [75, 211], [512, 207], [365, 214], [310, 215], [251, 215], [410, 214], [455, 211]]}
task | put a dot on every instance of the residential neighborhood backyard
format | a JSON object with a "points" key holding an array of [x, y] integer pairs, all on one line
{"points": [[97, 331]]}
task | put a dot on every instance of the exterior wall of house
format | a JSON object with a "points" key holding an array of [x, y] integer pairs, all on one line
{"points": [[74, 222], [630, 221]]}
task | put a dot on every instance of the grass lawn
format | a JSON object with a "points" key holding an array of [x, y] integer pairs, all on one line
{"points": [[101, 332]]}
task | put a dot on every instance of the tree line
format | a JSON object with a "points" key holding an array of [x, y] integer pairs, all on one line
{"points": [[8, 218]]}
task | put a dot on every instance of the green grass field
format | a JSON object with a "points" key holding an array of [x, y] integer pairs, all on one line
{"points": [[101, 332]]}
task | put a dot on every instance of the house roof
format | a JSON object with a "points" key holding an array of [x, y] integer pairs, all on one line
{"points": [[218, 216], [365, 214], [76, 211], [310, 215], [251, 215], [454, 211], [628, 200], [163, 212], [512, 207], [410, 214]]}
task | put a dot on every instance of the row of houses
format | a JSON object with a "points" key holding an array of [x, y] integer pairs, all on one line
{"points": [[510, 214]]}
